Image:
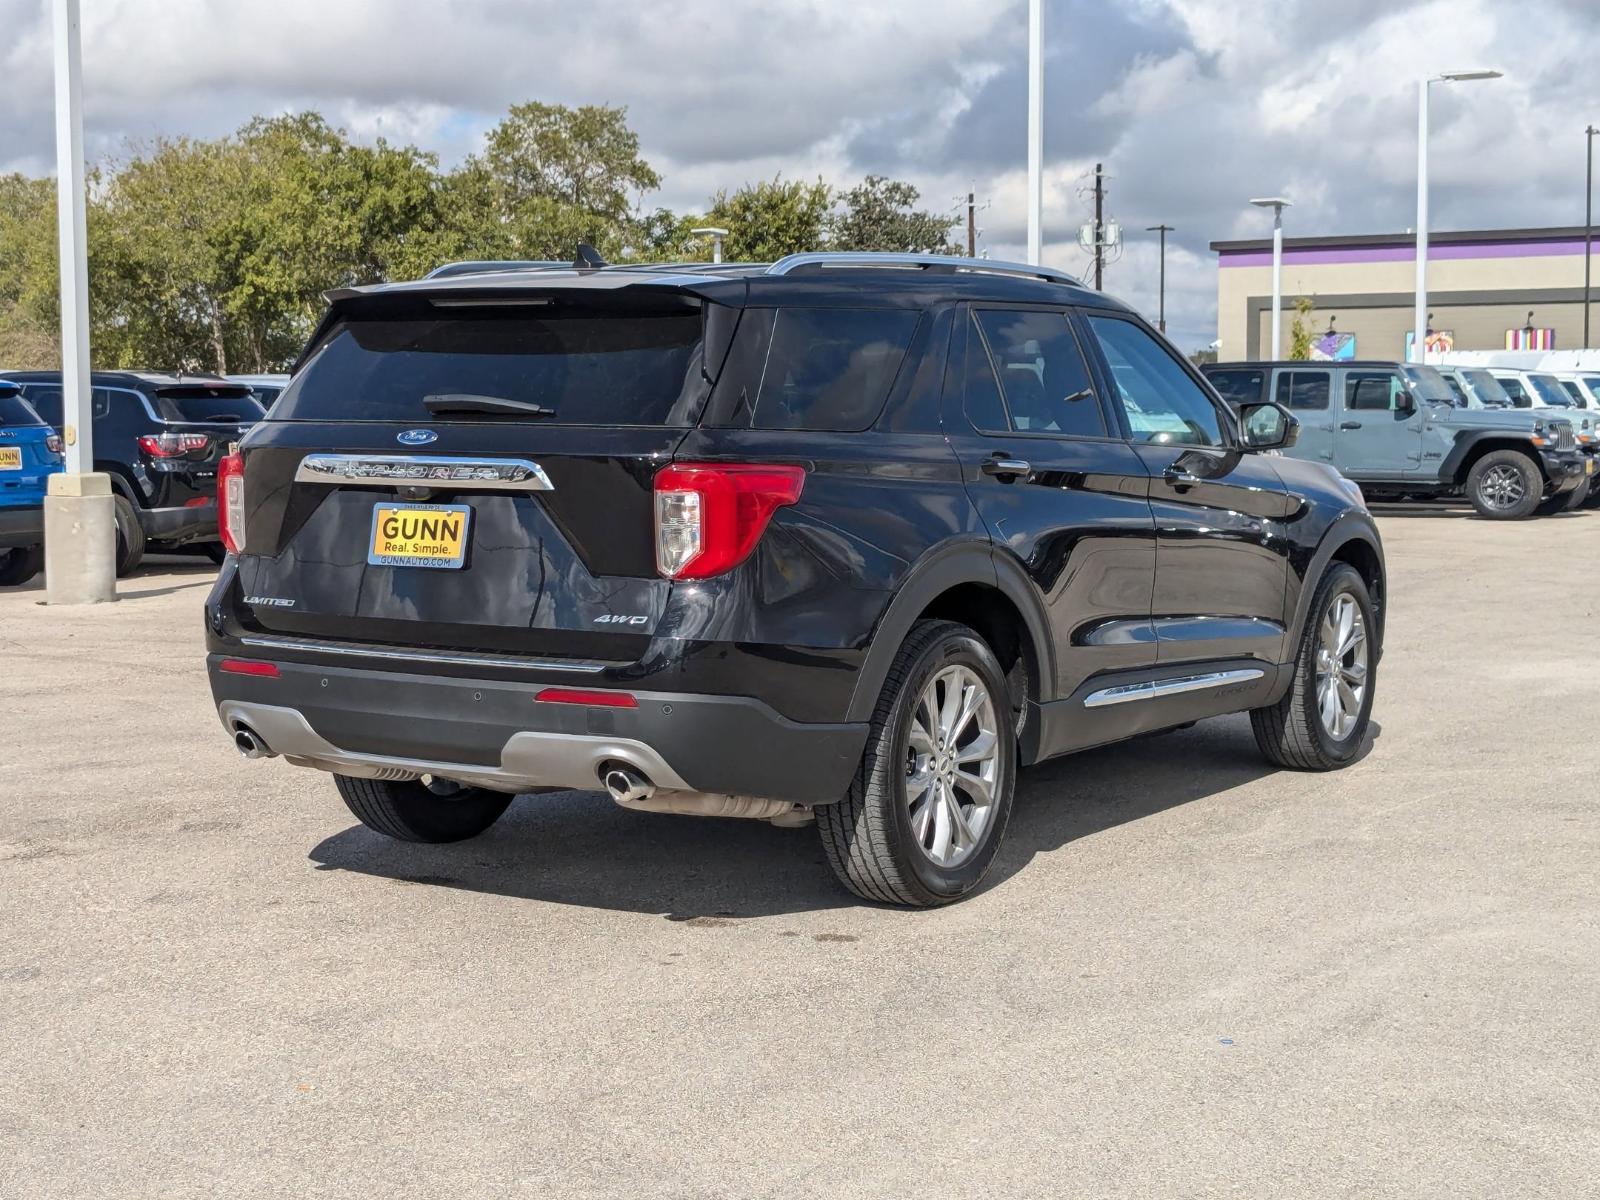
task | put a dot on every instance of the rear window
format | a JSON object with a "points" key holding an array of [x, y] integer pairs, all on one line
{"points": [[14, 410], [641, 368], [822, 368], [233, 404], [1236, 386]]}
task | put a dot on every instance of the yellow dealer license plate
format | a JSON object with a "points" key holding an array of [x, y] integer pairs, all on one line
{"points": [[10, 458], [419, 535]]}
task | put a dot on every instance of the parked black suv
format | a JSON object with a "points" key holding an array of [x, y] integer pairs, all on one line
{"points": [[160, 438], [852, 536]]}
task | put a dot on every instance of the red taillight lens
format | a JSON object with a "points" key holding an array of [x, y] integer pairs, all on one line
{"points": [[173, 445], [52, 443], [244, 666], [230, 502], [709, 516], [592, 699]]}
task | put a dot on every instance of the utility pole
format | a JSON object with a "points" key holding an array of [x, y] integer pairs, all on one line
{"points": [[1035, 131], [1161, 294], [1588, 226], [1099, 226], [972, 225]]}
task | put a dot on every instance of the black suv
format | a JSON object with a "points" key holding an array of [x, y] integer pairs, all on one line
{"points": [[846, 536], [160, 438]]}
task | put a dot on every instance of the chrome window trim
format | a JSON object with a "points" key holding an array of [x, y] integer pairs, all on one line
{"points": [[425, 470], [455, 658], [1153, 689]]}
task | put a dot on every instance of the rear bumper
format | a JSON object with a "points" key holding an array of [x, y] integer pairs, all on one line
{"points": [[191, 523], [491, 733], [21, 527]]}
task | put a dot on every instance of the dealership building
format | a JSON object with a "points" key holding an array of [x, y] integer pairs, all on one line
{"points": [[1487, 290]]}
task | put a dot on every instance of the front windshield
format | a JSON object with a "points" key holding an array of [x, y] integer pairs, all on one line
{"points": [[1549, 391], [1430, 385], [1487, 389]]}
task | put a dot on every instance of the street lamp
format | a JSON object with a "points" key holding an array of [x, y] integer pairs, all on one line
{"points": [[1419, 348], [1161, 294], [1277, 204], [716, 235], [1035, 131]]}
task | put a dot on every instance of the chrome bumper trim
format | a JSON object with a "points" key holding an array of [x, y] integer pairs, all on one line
{"points": [[1156, 688], [528, 760], [424, 470], [455, 658]]}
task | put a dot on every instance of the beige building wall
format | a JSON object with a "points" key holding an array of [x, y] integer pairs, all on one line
{"points": [[1476, 298]]}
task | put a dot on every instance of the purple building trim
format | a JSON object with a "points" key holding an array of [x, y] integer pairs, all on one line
{"points": [[1437, 252]]}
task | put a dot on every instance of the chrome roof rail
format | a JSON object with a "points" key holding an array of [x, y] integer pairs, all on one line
{"points": [[923, 262], [493, 266]]}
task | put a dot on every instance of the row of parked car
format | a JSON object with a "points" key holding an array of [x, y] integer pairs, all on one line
{"points": [[1511, 440], [158, 436]]}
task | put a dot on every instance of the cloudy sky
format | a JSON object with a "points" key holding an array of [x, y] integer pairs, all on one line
{"points": [[1193, 105]]}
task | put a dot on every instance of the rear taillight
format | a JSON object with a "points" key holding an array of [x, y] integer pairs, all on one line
{"points": [[52, 443], [230, 502], [174, 445], [247, 666], [709, 516]]}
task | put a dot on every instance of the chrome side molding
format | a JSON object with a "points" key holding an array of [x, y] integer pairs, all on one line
{"points": [[1154, 689], [453, 658], [430, 470]]}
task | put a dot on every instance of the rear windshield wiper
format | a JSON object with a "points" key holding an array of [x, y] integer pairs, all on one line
{"points": [[465, 402]]}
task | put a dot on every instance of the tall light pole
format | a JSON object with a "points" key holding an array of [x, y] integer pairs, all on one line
{"points": [[79, 520], [1035, 131], [1277, 204], [716, 235], [1419, 346], [1161, 293], [1588, 225]]}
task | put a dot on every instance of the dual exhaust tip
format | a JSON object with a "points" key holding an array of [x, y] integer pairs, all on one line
{"points": [[625, 785], [249, 743]]}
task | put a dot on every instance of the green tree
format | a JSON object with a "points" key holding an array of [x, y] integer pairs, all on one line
{"points": [[1300, 334], [767, 220], [28, 291], [880, 214]]}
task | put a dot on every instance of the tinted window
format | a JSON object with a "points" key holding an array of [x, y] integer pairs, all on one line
{"points": [[1304, 389], [1237, 386], [1456, 390], [1163, 404], [830, 368], [14, 410], [1429, 384], [1549, 391], [1486, 388], [634, 369], [208, 404], [1372, 391], [1513, 388], [1572, 390], [1042, 372], [984, 407], [46, 401]]}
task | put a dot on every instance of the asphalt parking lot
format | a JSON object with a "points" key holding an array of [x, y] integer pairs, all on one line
{"points": [[1188, 976]]}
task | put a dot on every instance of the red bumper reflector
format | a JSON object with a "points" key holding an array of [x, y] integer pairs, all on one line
{"points": [[241, 666], [593, 699]]}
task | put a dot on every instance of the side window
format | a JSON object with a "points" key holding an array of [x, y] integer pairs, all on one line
{"points": [[100, 404], [1455, 387], [1042, 373], [1372, 391], [830, 368], [984, 407], [46, 401], [1162, 403], [1572, 390], [1514, 389], [1304, 390], [1237, 386]]}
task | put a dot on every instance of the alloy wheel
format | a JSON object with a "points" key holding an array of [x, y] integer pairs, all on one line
{"points": [[952, 766], [1502, 487], [1341, 665]]}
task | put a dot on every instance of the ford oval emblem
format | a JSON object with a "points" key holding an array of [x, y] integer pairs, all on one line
{"points": [[416, 437]]}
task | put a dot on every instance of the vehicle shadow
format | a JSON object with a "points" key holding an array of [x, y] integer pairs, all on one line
{"points": [[579, 848]]}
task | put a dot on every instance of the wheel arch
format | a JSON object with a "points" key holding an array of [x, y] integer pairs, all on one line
{"points": [[968, 583], [1352, 539], [1468, 450]]}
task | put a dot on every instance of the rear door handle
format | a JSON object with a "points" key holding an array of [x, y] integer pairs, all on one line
{"points": [[1006, 468], [1349, 424], [1179, 479]]}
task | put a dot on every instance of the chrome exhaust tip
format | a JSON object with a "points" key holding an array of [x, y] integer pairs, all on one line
{"points": [[626, 785], [249, 743]]}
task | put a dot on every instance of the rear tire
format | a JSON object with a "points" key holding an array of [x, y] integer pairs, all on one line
{"points": [[1504, 485], [410, 811], [130, 536], [1296, 732], [17, 567], [896, 836]]}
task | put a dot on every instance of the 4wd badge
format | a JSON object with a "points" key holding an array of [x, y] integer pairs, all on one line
{"points": [[619, 619]]}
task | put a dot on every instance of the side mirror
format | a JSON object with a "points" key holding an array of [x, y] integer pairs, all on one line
{"points": [[1267, 426], [1405, 403]]}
